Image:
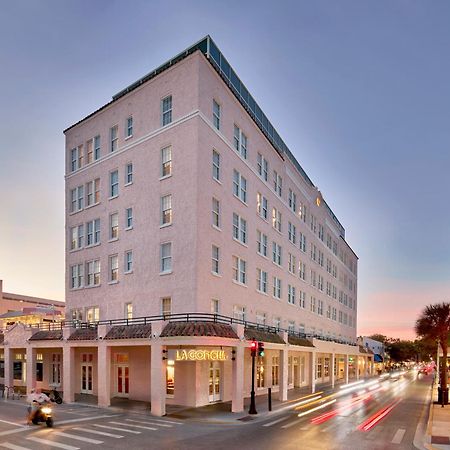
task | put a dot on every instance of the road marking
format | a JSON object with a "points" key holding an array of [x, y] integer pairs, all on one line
{"points": [[53, 444], [167, 421], [289, 425], [12, 446], [101, 433], [398, 436], [275, 421], [13, 423], [80, 438], [116, 428], [135, 426], [85, 418], [149, 423], [19, 430]]}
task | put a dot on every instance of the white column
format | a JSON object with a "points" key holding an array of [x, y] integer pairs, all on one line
{"points": [[9, 357], [158, 379], [31, 368], [312, 371], [68, 373], [346, 368], [104, 375], [237, 396], [333, 362], [284, 367], [357, 366]]}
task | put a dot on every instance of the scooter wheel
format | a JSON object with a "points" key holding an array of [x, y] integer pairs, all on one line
{"points": [[49, 422], [59, 400]]}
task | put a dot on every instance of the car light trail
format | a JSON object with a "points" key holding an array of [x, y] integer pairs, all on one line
{"points": [[373, 420], [316, 408]]}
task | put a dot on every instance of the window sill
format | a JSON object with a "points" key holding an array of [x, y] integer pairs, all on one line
{"points": [[93, 286], [76, 289], [262, 217], [128, 272], [240, 242], [91, 206], [216, 274], [165, 225], [113, 197], [262, 255], [217, 181], [113, 239], [276, 264], [239, 283], [113, 282], [74, 250], [216, 228], [238, 198], [96, 244], [262, 293], [167, 272], [129, 228], [128, 137], [74, 212], [164, 177], [128, 184]]}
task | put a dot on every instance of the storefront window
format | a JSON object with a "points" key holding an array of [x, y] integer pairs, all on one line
{"points": [[55, 377], [319, 368], [260, 378], [170, 378], [326, 367], [290, 370], [17, 370], [39, 371], [275, 367]]}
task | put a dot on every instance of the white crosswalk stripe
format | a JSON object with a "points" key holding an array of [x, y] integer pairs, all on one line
{"points": [[52, 443], [84, 419], [397, 439], [150, 423], [167, 421], [100, 433], [79, 438], [116, 428], [135, 426], [13, 447], [275, 421]]}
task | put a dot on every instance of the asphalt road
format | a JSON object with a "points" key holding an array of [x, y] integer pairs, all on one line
{"points": [[389, 414]]}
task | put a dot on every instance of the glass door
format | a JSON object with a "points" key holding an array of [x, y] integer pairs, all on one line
{"points": [[122, 381], [214, 382]]}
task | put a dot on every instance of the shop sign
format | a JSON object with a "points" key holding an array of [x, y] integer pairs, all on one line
{"points": [[200, 355]]}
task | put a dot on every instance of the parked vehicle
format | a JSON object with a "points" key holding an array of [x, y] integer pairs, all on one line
{"points": [[55, 396], [44, 414]]}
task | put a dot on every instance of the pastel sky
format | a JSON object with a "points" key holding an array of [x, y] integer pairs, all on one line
{"points": [[358, 90]]}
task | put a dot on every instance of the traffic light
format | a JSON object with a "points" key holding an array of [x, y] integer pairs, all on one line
{"points": [[253, 347], [261, 349]]}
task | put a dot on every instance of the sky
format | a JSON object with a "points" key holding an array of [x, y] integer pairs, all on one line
{"points": [[358, 90]]}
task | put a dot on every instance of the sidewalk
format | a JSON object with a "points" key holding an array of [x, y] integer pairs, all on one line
{"points": [[438, 430]]}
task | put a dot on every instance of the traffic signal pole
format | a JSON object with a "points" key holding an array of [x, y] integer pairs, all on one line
{"points": [[252, 409]]}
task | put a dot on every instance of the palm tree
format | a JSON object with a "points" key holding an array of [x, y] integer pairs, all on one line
{"points": [[434, 323]]}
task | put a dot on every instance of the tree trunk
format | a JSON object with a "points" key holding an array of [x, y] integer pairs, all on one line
{"points": [[444, 364]]}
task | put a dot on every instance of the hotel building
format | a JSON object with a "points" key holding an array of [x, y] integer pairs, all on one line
{"points": [[191, 230]]}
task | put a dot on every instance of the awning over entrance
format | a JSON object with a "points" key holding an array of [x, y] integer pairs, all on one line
{"points": [[377, 358]]}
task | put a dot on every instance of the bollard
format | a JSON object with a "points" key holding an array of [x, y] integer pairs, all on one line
{"points": [[269, 398]]}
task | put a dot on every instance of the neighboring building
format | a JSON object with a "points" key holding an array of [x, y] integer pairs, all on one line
{"points": [[191, 229], [378, 350]]}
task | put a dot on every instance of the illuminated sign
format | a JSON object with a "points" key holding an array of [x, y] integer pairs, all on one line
{"points": [[200, 355]]}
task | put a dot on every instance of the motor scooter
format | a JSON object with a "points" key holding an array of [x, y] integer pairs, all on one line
{"points": [[44, 414]]}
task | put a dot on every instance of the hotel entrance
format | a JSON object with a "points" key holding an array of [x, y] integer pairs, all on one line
{"points": [[214, 382], [87, 373], [122, 375]]}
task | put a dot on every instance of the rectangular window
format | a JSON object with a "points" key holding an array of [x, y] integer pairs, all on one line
{"points": [[166, 110], [277, 287], [93, 192], [73, 160], [166, 306], [302, 299], [261, 318], [302, 271], [166, 257], [292, 200], [79, 157], [128, 263], [263, 167], [128, 174], [76, 237], [92, 314], [128, 310], [129, 127], [275, 372], [262, 206], [89, 151], [277, 183], [113, 268], [114, 136], [216, 115], [239, 270], [166, 162], [292, 263], [312, 306], [97, 147], [276, 219], [239, 312], [292, 233], [240, 142], [320, 307], [302, 242], [128, 218], [276, 253], [216, 212], [239, 186], [321, 232], [114, 226], [77, 199], [55, 369], [93, 232], [262, 243], [76, 276], [214, 306], [239, 228], [261, 281], [216, 165], [166, 209], [114, 183], [93, 272], [291, 294], [215, 259]]}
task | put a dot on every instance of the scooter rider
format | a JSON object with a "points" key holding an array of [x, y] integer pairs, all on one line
{"points": [[36, 398]]}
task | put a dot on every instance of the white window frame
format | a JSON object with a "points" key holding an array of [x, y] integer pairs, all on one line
{"points": [[114, 138], [263, 167], [166, 258], [166, 210], [113, 184], [166, 110], [239, 186], [216, 114], [239, 270], [239, 229], [215, 259], [240, 142], [166, 162], [216, 165], [128, 261]]}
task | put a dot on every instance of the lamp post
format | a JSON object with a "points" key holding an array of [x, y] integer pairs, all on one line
{"points": [[253, 347]]}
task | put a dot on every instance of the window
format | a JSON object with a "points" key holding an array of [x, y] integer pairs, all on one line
{"points": [[277, 183], [77, 314], [292, 233], [302, 212], [76, 276], [114, 136], [263, 167], [261, 205], [113, 268], [128, 218], [214, 306], [166, 162], [320, 307], [96, 147], [92, 314], [89, 151], [239, 270], [239, 186], [215, 259], [277, 287], [277, 322], [320, 283], [276, 253], [114, 183], [302, 242], [93, 232], [166, 210], [216, 165], [128, 310], [302, 271], [93, 273], [166, 306], [333, 314], [292, 264], [128, 174], [261, 318], [128, 263], [313, 252], [291, 294], [239, 312], [313, 224], [320, 258], [240, 142], [275, 372], [76, 158], [93, 192], [77, 199], [55, 369], [114, 226], [312, 306], [129, 127], [313, 278], [321, 232], [328, 289], [239, 228], [261, 281], [292, 200], [261, 239], [166, 257], [216, 212], [216, 115], [328, 312], [302, 299], [276, 219], [166, 110], [76, 237]]}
